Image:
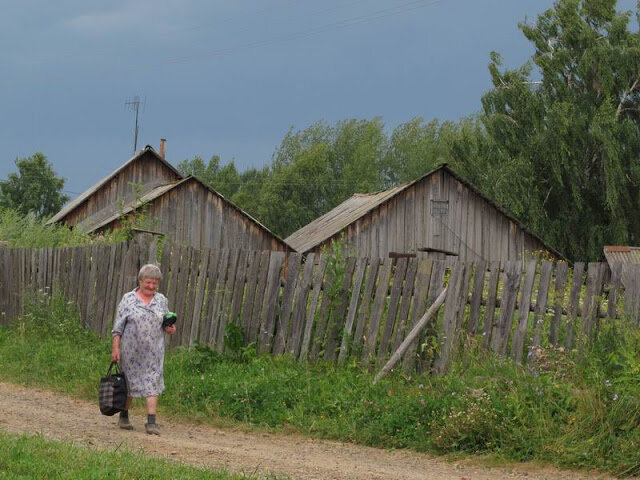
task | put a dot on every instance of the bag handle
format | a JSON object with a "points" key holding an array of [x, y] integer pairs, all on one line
{"points": [[111, 367]]}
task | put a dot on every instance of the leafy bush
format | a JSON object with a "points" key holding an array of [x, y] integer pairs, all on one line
{"points": [[28, 231]]}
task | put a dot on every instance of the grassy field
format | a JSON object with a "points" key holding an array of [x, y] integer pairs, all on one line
{"points": [[29, 457], [562, 410]]}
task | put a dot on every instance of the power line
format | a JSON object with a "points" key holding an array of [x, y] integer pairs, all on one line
{"points": [[349, 22]]}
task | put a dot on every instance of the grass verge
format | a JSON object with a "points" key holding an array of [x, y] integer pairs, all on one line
{"points": [[28, 457], [559, 409]]}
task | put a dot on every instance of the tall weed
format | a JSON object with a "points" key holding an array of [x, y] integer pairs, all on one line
{"points": [[28, 231]]}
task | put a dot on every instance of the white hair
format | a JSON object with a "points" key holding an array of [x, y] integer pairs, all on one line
{"points": [[149, 271]]}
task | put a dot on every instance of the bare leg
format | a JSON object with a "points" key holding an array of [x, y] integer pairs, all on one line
{"points": [[128, 404], [152, 405]]}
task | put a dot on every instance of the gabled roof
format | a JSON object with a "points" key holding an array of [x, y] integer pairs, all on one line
{"points": [[91, 190], [359, 205], [339, 218], [161, 190]]}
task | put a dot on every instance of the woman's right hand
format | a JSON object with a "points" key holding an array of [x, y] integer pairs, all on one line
{"points": [[115, 354]]}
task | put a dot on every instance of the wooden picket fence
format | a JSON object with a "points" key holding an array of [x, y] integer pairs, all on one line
{"points": [[320, 307]]}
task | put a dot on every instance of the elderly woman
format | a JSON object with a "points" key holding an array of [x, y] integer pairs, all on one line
{"points": [[138, 344]]}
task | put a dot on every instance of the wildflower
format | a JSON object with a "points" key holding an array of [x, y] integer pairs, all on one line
{"points": [[615, 397], [607, 383]]}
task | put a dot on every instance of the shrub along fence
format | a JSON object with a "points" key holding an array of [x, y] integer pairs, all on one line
{"points": [[338, 309]]}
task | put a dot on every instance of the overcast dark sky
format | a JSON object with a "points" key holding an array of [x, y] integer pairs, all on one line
{"points": [[231, 77]]}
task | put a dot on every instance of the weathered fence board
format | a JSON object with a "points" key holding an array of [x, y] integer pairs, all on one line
{"points": [[520, 333], [490, 308], [311, 312], [359, 308], [561, 281]]}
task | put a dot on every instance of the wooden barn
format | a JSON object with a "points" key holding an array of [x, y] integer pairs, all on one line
{"points": [[182, 208], [439, 215]]}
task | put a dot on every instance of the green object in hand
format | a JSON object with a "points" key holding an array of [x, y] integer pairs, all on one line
{"points": [[169, 319]]}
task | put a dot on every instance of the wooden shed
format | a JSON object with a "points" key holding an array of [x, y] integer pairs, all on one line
{"points": [[184, 209], [438, 215]]}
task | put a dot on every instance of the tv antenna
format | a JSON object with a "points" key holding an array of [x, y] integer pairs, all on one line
{"points": [[134, 104]]}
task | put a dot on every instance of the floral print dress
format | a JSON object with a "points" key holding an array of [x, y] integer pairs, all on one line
{"points": [[141, 343]]}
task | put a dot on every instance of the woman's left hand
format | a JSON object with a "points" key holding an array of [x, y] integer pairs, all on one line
{"points": [[171, 329]]}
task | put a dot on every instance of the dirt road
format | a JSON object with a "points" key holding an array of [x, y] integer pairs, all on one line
{"points": [[30, 411]]}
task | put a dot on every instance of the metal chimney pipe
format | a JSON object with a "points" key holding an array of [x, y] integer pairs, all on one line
{"points": [[163, 142]]}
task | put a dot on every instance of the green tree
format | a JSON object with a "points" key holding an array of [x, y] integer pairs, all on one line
{"points": [[315, 169], [35, 189], [223, 179], [563, 137], [417, 147]]}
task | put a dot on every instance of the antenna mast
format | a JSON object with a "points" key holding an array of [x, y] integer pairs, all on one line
{"points": [[134, 105]]}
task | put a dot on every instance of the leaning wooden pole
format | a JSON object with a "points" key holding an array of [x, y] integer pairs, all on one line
{"points": [[413, 334]]}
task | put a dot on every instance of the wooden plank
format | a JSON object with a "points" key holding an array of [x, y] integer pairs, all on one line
{"points": [[591, 304], [376, 314], [173, 254], [520, 334], [115, 293], [561, 281], [394, 301], [490, 308], [182, 291], [239, 286], [541, 302], [96, 307], [258, 300], [615, 289], [300, 308], [317, 342], [510, 287], [165, 264], [283, 326], [429, 284], [267, 329], [72, 288], [574, 299], [311, 312], [476, 297], [123, 258], [42, 269], [448, 337], [198, 303], [208, 296], [360, 269], [365, 305], [337, 317], [402, 325], [225, 308], [464, 294], [253, 262], [86, 287], [55, 263], [217, 296], [89, 310], [106, 302]]}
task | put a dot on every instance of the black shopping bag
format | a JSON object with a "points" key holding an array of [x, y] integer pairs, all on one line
{"points": [[112, 394]]}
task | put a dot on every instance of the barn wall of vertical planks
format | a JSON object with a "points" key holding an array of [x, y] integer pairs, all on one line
{"points": [[439, 215]]}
